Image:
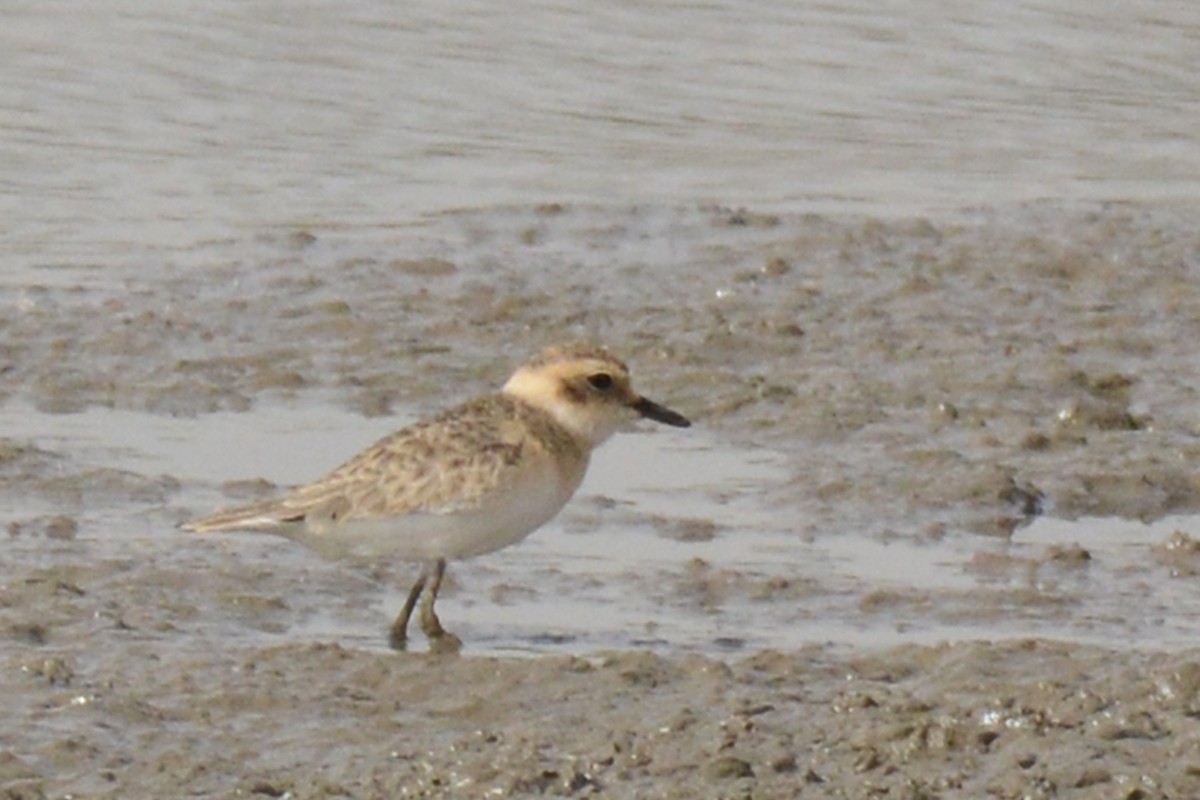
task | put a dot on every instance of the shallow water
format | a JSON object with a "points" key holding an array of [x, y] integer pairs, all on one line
{"points": [[676, 542]]}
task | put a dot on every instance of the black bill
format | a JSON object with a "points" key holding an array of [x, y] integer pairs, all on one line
{"points": [[652, 410]]}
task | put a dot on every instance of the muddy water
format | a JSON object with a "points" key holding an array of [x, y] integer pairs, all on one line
{"points": [[692, 554], [133, 122]]}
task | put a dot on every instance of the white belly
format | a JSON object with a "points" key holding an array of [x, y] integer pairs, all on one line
{"points": [[504, 519]]}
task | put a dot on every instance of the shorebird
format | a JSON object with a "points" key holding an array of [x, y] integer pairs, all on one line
{"points": [[478, 477]]}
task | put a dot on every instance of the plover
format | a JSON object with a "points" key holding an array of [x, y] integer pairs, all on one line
{"points": [[478, 477]]}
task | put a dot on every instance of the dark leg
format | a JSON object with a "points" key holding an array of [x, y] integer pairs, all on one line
{"points": [[430, 624], [439, 639], [398, 638]]}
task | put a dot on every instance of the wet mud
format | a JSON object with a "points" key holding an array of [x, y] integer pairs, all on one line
{"points": [[928, 394]]}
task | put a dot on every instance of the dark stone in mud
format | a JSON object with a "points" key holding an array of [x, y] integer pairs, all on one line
{"points": [[728, 767]]}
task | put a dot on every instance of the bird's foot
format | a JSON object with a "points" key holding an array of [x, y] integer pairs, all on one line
{"points": [[440, 639], [398, 637], [445, 643]]}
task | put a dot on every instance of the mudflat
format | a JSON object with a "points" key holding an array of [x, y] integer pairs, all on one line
{"points": [[933, 388]]}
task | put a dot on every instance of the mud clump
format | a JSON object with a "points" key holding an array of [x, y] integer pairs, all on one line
{"points": [[1180, 553], [975, 719]]}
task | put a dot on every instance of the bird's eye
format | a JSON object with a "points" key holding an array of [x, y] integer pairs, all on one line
{"points": [[601, 380]]}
